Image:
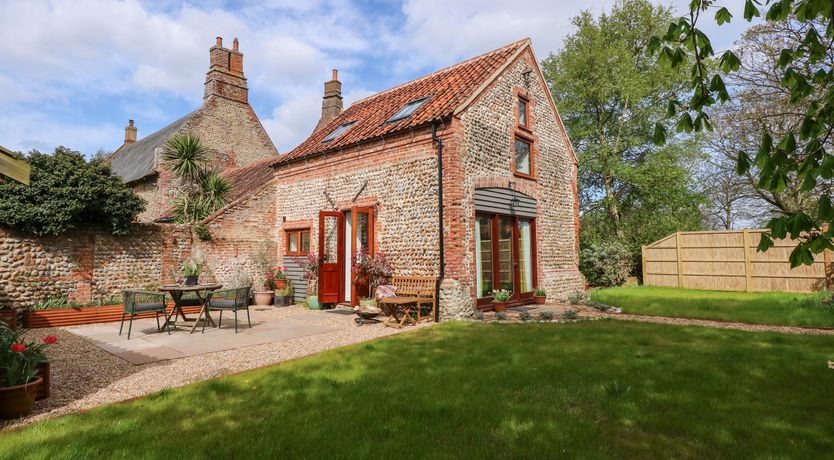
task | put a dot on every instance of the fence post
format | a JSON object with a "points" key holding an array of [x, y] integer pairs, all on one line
{"points": [[680, 258], [748, 268], [643, 260]]}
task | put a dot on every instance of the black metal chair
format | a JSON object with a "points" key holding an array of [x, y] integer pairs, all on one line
{"points": [[140, 302], [229, 300]]}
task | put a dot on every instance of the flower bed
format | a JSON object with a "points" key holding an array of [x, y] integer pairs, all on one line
{"points": [[84, 315]]}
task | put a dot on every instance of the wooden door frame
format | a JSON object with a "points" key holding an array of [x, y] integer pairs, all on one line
{"points": [[517, 298], [340, 256], [354, 212]]}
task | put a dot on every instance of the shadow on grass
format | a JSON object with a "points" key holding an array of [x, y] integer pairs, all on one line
{"points": [[463, 390]]}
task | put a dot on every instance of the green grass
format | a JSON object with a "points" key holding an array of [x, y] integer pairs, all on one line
{"points": [[782, 308], [601, 389]]}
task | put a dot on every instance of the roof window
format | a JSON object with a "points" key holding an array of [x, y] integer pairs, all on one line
{"points": [[339, 131], [407, 110]]}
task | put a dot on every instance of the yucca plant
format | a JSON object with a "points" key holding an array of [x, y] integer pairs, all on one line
{"points": [[186, 155], [214, 189]]}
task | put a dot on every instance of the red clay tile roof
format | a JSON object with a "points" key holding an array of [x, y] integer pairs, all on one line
{"points": [[446, 90]]}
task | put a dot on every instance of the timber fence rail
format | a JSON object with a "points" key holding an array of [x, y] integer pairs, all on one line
{"points": [[728, 261]]}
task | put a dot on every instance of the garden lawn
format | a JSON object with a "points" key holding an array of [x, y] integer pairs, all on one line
{"points": [[595, 389], [781, 308]]}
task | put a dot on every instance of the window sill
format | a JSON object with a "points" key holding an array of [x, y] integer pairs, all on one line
{"points": [[524, 176]]}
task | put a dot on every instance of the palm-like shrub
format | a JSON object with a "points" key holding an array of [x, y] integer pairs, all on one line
{"points": [[203, 190]]}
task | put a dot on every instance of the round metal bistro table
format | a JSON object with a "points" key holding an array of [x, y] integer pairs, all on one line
{"points": [[201, 291]]}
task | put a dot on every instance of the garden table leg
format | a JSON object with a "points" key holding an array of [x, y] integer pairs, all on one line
{"points": [[204, 313]]}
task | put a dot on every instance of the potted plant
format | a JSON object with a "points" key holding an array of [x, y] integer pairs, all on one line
{"points": [[370, 271], [280, 278], [18, 371], [310, 266], [284, 296], [191, 271], [540, 296], [500, 297]]}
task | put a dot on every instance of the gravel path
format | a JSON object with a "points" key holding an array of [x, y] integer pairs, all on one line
{"points": [[85, 376], [591, 312]]}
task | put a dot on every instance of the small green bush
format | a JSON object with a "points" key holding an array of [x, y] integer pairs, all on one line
{"points": [[576, 297], [539, 292], [570, 315], [501, 315], [606, 264], [546, 316], [479, 314], [524, 316], [203, 232], [598, 305]]}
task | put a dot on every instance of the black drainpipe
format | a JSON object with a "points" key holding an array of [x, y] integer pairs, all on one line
{"points": [[439, 144]]}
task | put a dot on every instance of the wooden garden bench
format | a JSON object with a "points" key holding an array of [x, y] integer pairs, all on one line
{"points": [[412, 290]]}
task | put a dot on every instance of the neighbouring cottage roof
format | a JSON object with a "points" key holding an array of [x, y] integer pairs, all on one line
{"points": [[446, 90], [135, 161]]}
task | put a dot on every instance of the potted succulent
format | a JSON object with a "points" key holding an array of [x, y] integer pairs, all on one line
{"points": [[370, 271], [500, 297], [19, 362], [540, 296], [280, 278]]}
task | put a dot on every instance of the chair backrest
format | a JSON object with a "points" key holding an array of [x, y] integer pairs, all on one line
{"points": [[417, 286], [242, 296]]}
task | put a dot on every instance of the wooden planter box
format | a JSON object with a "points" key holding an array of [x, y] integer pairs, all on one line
{"points": [[9, 316], [84, 315], [43, 389]]}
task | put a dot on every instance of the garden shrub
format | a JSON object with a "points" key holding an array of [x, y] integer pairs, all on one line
{"points": [[576, 297], [570, 315], [524, 316], [479, 314], [605, 264], [501, 315], [65, 192], [546, 316]]}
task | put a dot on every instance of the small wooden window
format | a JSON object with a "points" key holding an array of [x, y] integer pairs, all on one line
{"points": [[298, 242], [522, 113], [523, 157]]}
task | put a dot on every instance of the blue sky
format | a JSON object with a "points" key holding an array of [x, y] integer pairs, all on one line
{"points": [[74, 71]]}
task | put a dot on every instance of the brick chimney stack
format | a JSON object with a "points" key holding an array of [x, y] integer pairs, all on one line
{"points": [[225, 76], [331, 104], [130, 133]]}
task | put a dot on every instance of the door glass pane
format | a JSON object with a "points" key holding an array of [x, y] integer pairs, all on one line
{"points": [[305, 242], [522, 156], [330, 251], [362, 231], [505, 252], [293, 242], [525, 257], [483, 255]]}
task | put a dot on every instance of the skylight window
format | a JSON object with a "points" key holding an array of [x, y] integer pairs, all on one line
{"points": [[339, 131], [406, 111]]}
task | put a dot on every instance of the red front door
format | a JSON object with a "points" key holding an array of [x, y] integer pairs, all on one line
{"points": [[331, 248]]}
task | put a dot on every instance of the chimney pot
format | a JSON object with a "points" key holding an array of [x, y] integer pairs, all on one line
{"points": [[130, 122], [335, 74], [219, 42], [234, 44]]}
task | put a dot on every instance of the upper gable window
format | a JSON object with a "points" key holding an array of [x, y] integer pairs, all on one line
{"points": [[407, 110], [339, 131], [522, 112]]}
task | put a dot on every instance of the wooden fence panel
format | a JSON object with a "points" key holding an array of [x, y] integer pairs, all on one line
{"points": [[728, 261]]}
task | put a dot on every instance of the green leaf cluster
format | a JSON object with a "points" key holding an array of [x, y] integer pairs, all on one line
{"points": [[67, 192], [203, 189]]}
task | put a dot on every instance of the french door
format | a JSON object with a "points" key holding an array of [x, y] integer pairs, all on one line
{"points": [[341, 235], [331, 250], [505, 249]]}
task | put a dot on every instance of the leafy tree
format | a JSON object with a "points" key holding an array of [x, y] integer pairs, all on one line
{"points": [[202, 190], [610, 91], [66, 192], [801, 151]]}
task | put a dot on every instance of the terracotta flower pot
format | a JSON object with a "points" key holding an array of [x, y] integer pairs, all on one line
{"points": [[280, 283], [264, 298], [44, 372], [18, 400], [500, 306], [540, 299]]}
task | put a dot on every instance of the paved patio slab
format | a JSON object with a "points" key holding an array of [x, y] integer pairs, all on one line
{"points": [[147, 345]]}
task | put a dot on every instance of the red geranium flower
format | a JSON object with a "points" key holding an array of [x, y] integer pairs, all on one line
{"points": [[18, 347], [50, 339]]}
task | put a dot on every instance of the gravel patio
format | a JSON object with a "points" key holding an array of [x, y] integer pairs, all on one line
{"points": [[86, 373]]}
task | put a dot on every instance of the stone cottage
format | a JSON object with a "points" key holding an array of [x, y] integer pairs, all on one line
{"points": [[466, 175], [225, 122]]}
